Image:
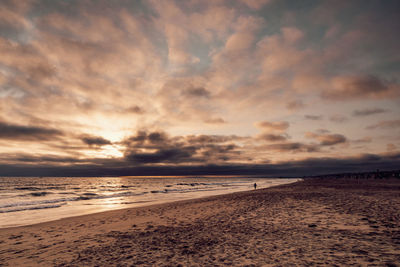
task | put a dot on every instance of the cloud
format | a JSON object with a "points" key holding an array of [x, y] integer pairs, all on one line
{"points": [[153, 147], [297, 168], [135, 109], [295, 105], [211, 139], [256, 4], [215, 120], [110, 70], [366, 139], [293, 147], [327, 139], [147, 139], [40, 159], [322, 131], [391, 147], [368, 111], [338, 118], [197, 92], [272, 137], [360, 87], [156, 147], [277, 126], [389, 124], [172, 155], [95, 141], [27, 133], [313, 117]]}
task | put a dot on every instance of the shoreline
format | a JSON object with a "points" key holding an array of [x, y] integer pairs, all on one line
{"points": [[313, 221], [145, 204]]}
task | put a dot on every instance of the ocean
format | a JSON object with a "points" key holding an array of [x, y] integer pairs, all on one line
{"points": [[30, 200]]}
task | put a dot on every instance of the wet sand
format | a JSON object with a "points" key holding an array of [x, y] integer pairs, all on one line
{"points": [[314, 222]]}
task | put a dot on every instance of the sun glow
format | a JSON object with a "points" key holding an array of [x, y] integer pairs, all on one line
{"points": [[107, 151]]}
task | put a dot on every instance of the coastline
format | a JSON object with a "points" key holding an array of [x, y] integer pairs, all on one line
{"points": [[95, 200], [154, 204], [311, 221]]}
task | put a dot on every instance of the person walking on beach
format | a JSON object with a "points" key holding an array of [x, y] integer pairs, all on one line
{"points": [[255, 186]]}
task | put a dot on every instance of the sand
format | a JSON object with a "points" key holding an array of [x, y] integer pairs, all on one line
{"points": [[314, 222]]}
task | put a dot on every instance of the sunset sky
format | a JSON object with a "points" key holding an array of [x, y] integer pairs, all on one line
{"points": [[272, 87]]}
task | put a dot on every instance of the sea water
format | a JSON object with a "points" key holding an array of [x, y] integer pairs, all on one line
{"points": [[30, 200]]}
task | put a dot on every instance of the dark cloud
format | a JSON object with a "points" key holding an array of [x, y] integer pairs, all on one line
{"points": [[170, 155], [293, 147], [157, 147], [273, 137], [95, 141], [278, 126], [135, 109], [150, 138], [313, 117], [306, 167], [332, 139], [35, 159], [392, 124], [197, 92], [27, 133], [216, 153], [210, 139], [157, 137], [358, 87], [368, 111], [327, 139]]}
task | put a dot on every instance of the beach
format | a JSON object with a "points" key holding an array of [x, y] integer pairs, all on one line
{"points": [[312, 222]]}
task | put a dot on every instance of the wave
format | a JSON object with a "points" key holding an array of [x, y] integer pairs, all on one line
{"points": [[27, 188], [86, 196], [33, 208], [39, 194]]}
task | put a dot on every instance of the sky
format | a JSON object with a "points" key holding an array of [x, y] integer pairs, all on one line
{"points": [[158, 87]]}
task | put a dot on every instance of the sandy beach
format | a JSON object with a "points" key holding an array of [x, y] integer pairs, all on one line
{"points": [[313, 222]]}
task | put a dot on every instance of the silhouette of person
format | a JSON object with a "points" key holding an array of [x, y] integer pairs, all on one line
{"points": [[255, 186]]}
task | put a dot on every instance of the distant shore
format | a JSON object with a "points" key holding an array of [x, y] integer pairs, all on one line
{"points": [[315, 221]]}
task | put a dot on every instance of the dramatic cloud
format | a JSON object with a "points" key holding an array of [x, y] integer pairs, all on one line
{"points": [[27, 133], [206, 86], [177, 155], [368, 111], [95, 140], [158, 147]]}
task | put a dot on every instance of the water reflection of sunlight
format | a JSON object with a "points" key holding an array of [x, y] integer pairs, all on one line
{"points": [[108, 203], [113, 186]]}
